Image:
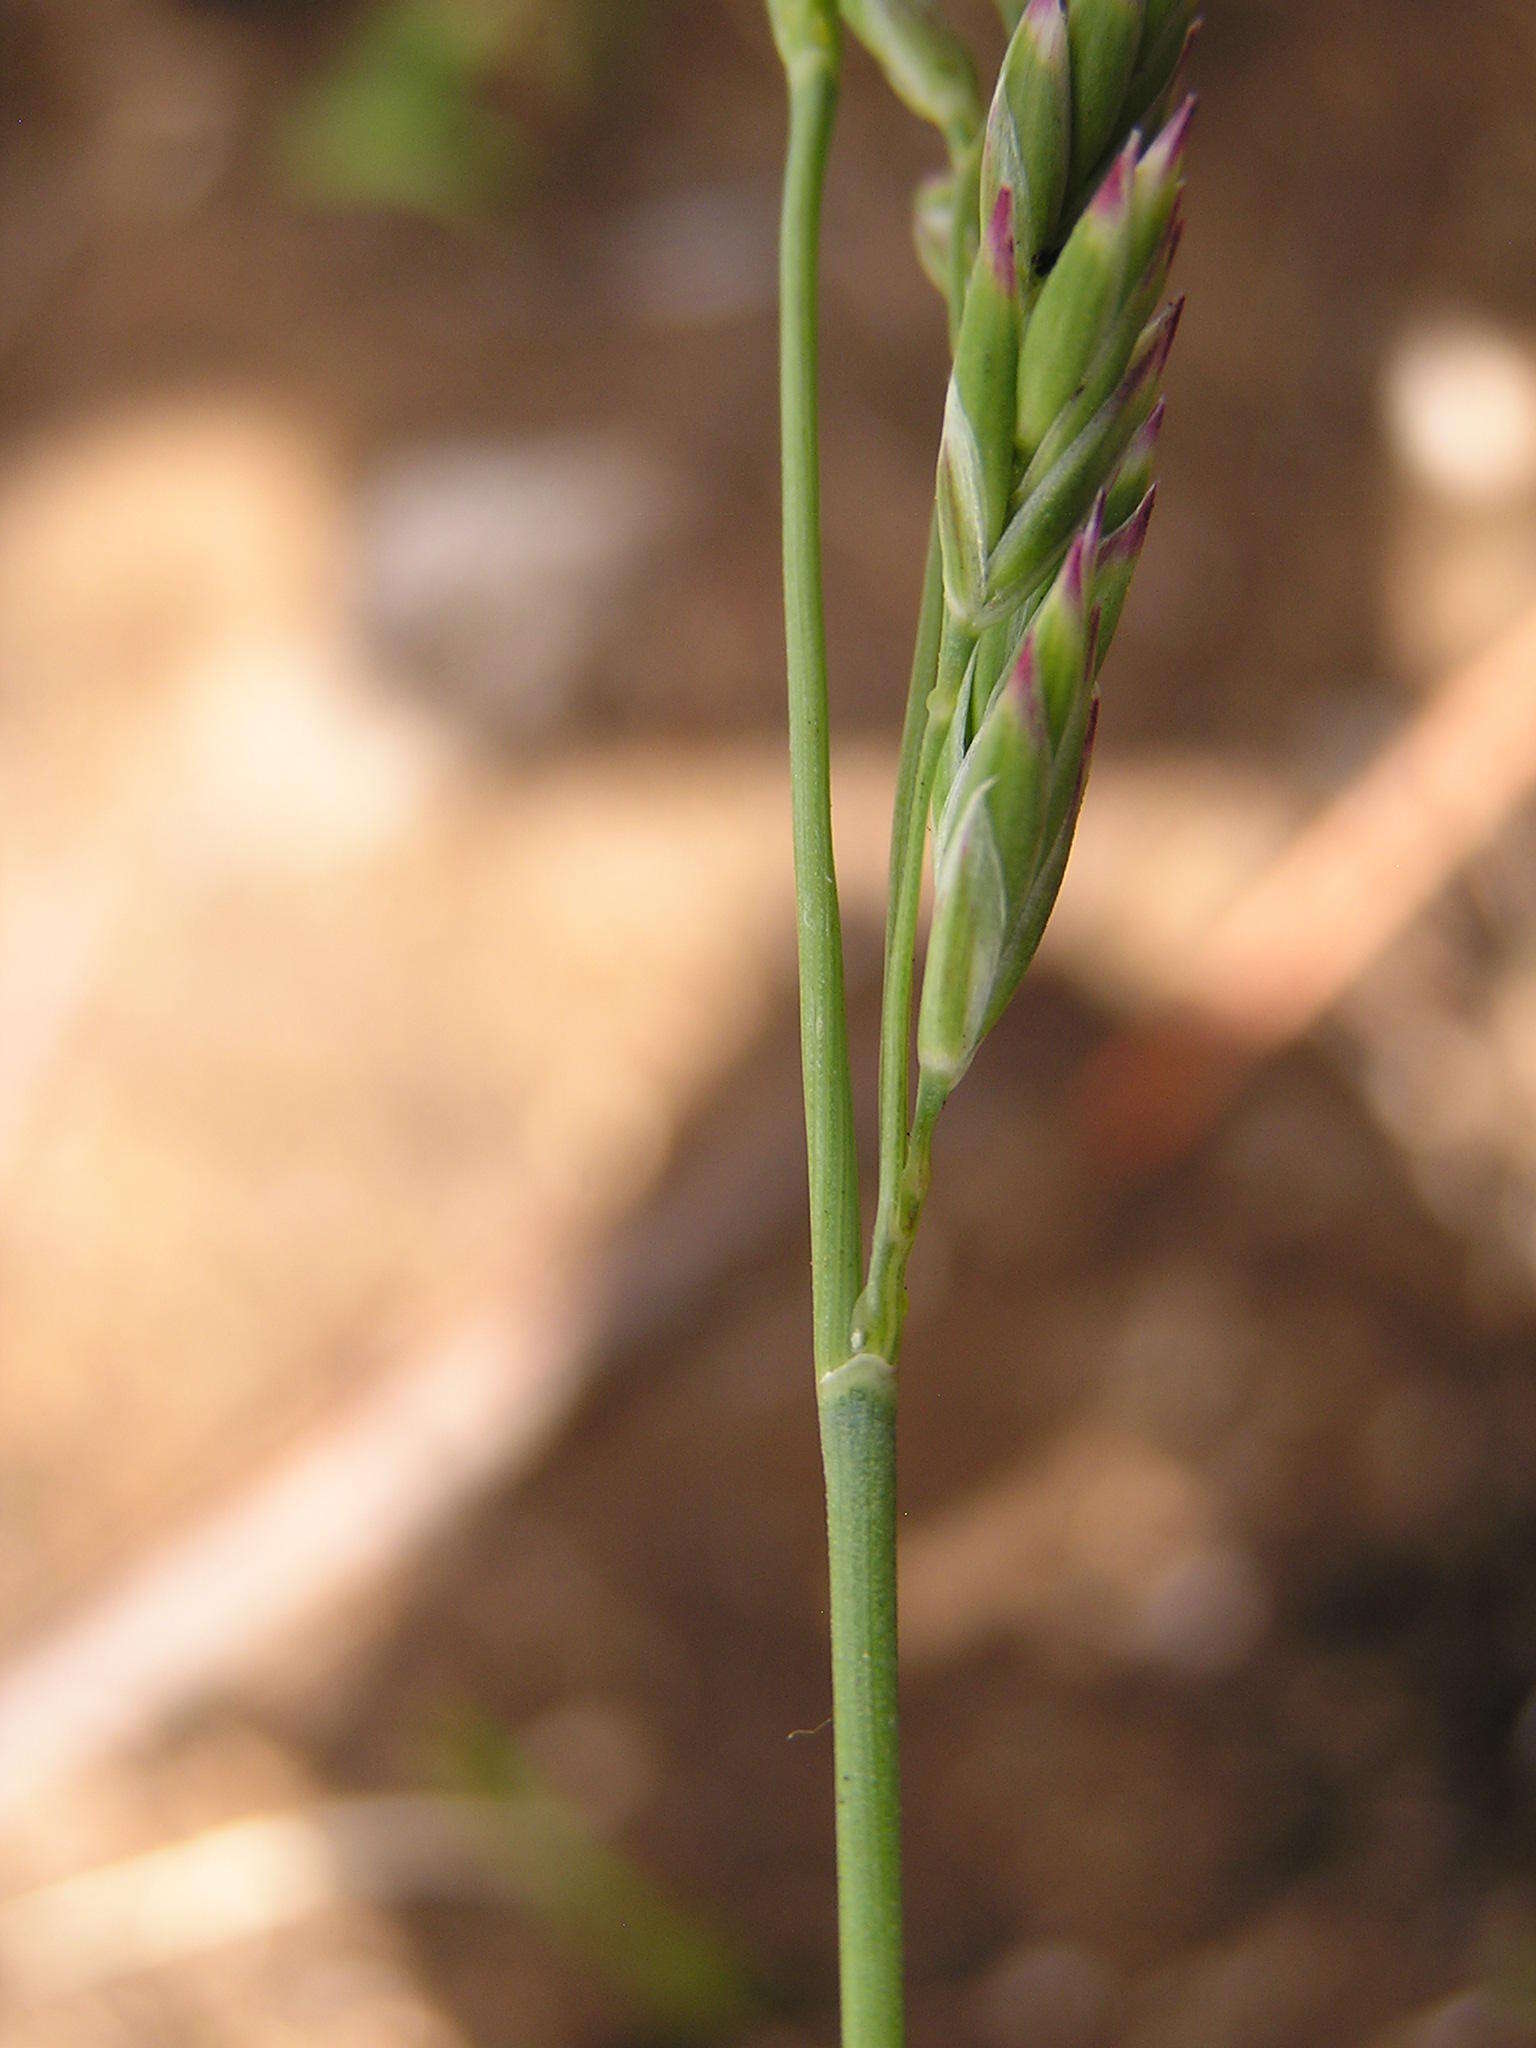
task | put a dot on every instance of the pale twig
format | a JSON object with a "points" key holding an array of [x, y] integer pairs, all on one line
{"points": [[1312, 922]]}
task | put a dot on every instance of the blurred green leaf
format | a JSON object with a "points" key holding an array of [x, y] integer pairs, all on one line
{"points": [[413, 114], [405, 119], [674, 1969]]}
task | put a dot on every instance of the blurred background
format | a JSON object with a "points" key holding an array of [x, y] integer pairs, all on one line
{"points": [[411, 1569]]}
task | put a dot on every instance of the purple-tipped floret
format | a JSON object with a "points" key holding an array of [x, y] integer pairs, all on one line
{"points": [[1125, 544], [1165, 152], [1114, 193], [1142, 445]]}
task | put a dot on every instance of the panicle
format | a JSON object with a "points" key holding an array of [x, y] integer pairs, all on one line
{"points": [[1092, 345], [1046, 483]]}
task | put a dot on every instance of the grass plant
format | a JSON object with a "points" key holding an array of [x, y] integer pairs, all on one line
{"points": [[1050, 231]]}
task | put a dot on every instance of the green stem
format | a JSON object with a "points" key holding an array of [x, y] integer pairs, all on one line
{"points": [[881, 1308], [856, 1398], [857, 1405], [812, 68]]}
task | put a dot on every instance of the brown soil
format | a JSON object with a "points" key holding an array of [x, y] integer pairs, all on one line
{"points": [[1219, 1489]]}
